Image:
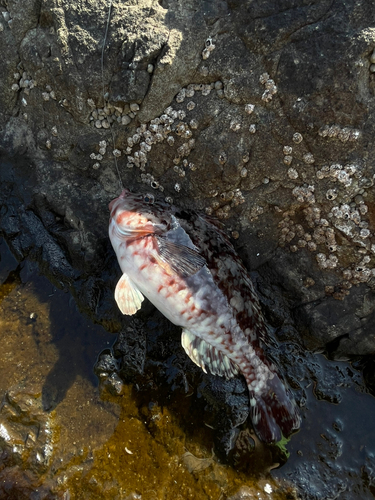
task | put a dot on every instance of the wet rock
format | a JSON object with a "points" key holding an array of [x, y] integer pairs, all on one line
{"points": [[54, 116], [130, 347], [106, 370], [229, 402], [26, 433], [367, 364], [8, 262], [106, 364], [283, 154]]}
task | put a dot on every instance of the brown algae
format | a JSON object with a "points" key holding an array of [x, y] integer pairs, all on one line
{"points": [[62, 436]]}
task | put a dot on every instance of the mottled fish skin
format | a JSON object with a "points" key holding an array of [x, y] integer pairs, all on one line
{"points": [[184, 263]]}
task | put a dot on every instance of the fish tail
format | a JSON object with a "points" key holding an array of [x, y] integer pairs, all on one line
{"points": [[273, 411]]}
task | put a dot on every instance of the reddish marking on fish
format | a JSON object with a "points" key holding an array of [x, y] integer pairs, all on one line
{"points": [[201, 312], [130, 242], [142, 267], [122, 216]]}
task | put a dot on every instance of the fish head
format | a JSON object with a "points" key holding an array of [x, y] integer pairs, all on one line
{"points": [[136, 214]]}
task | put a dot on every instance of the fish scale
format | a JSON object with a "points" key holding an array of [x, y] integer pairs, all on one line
{"points": [[184, 263]]}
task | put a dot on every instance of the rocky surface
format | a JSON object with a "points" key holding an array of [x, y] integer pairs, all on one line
{"points": [[260, 113]]}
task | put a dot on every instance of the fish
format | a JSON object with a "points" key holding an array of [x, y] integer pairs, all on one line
{"points": [[185, 264]]}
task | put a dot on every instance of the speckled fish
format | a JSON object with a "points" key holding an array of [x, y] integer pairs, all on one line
{"points": [[186, 266]]}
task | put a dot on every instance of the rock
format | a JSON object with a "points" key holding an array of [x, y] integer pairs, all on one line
{"points": [[289, 87], [229, 409], [26, 443], [8, 262], [170, 88], [130, 347]]}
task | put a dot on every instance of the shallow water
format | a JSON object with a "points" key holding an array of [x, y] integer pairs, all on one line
{"points": [[64, 435]]}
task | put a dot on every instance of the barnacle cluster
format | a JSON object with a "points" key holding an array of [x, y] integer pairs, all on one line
{"points": [[150, 181], [343, 134], [107, 115], [270, 87], [255, 211], [288, 158], [328, 215], [231, 199], [209, 47], [337, 172], [48, 94], [24, 82], [99, 155], [329, 224], [102, 151], [304, 194], [170, 126], [189, 91]]}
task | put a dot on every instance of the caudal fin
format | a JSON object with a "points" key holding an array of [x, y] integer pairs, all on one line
{"points": [[274, 412]]}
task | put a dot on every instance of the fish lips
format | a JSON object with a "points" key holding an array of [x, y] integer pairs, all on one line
{"points": [[121, 197]]}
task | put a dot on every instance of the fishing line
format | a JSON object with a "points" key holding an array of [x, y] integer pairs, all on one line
{"points": [[104, 100]]}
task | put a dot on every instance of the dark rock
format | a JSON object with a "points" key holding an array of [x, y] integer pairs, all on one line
{"points": [[130, 347], [75, 76], [8, 262], [146, 57], [106, 364]]}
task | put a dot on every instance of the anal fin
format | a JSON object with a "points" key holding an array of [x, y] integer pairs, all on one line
{"points": [[207, 356], [129, 299]]}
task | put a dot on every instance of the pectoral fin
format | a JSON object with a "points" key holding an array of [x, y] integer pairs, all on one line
{"points": [[183, 260], [207, 357], [128, 297]]}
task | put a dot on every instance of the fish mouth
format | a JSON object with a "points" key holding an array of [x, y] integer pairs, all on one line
{"points": [[120, 197]]}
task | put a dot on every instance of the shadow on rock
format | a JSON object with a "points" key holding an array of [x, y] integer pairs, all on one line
{"points": [[75, 338]]}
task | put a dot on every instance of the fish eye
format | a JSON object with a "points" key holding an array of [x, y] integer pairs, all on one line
{"points": [[148, 198]]}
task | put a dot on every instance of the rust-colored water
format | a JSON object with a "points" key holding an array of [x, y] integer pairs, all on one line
{"points": [[60, 437]]}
